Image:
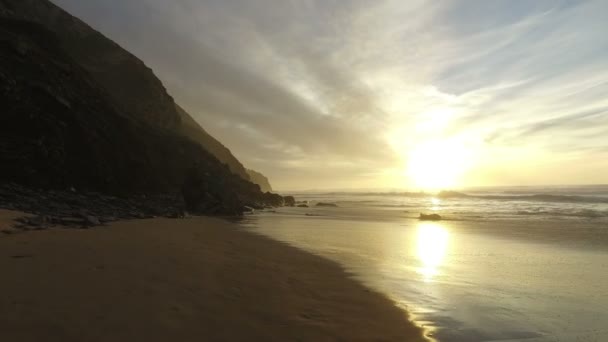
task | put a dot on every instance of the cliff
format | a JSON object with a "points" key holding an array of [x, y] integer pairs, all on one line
{"points": [[80, 111], [130, 84], [260, 180]]}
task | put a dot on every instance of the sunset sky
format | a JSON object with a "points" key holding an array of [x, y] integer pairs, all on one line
{"points": [[383, 94]]}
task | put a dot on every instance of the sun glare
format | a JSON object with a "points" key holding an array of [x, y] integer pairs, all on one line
{"points": [[432, 246], [438, 164]]}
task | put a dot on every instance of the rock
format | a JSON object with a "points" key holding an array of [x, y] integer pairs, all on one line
{"points": [[9, 231], [108, 219], [302, 206], [289, 201], [91, 221], [175, 215], [322, 204], [273, 200], [71, 221], [259, 179], [23, 220], [429, 217], [138, 215], [248, 209], [38, 221], [83, 209]]}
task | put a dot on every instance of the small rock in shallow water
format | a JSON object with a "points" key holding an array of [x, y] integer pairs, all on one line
{"points": [[321, 204], [430, 217]]}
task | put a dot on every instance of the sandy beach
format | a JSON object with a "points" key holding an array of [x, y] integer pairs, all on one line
{"points": [[198, 279]]}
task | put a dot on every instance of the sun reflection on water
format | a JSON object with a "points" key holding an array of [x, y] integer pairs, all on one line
{"points": [[431, 244], [436, 204]]}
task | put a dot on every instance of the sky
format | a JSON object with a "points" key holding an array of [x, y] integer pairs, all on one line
{"points": [[336, 94]]}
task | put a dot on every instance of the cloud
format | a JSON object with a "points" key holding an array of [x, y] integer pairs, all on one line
{"points": [[334, 93]]}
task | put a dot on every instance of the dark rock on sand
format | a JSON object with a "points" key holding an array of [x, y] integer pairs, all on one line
{"points": [[429, 217], [302, 205], [91, 221], [10, 231], [37, 222], [72, 209], [71, 222]]}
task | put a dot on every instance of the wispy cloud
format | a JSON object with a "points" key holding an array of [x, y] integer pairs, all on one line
{"points": [[334, 93]]}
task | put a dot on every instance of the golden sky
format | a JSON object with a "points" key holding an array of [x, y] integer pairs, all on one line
{"points": [[384, 94]]}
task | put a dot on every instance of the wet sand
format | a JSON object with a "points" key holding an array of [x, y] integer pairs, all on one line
{"points": [[467, 281], [197, 279]]}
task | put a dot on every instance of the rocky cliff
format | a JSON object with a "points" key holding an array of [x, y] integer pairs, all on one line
{"points": [[260, 180], [130, 84], [188, 127], [79, 111]]}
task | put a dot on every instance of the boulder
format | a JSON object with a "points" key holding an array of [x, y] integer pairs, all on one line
{"points": [[91, 221], [40, 221], [289, 201], [71, 221], [108, 219], [273, 200], [322, 204]]}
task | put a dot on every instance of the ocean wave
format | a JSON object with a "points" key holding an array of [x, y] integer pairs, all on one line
{"points": [[586, 213], [395, 205], [530, 197]]}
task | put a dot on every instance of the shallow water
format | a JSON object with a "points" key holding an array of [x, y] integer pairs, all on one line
{"points": [[511, 203], [466, 280]]}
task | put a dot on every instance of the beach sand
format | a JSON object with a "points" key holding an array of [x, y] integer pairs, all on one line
{"points": [[198, 279]]}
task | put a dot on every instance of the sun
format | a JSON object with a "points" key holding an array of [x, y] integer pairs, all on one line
{"points": [[438, 164]]}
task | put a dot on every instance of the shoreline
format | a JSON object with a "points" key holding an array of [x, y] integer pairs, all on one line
{"points": [[166, 279]]}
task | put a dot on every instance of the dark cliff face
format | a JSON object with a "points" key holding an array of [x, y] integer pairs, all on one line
{"points": [[60, 125], [191, 129], [131, 86], [260, 180]]}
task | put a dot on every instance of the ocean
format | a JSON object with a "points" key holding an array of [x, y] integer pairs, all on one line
{"points": [[504, 264]]}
